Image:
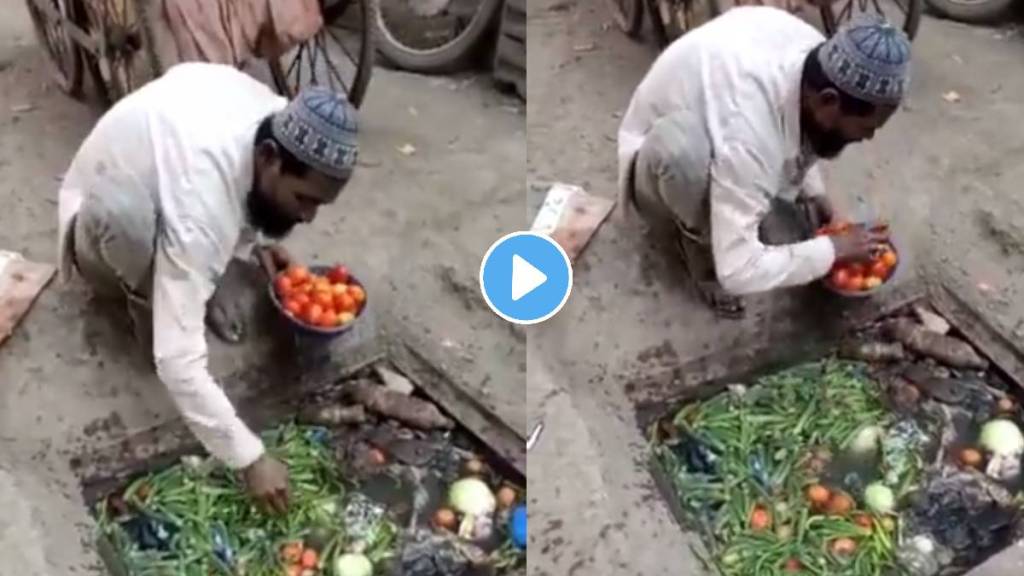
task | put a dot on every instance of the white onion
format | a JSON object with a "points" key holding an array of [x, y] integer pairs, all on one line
{"points": [[472, 497], [865, 442], [879, 498], [1002, 437], [353, 565]]}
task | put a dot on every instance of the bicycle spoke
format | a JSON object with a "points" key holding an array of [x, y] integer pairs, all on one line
{"points": [[312, 61], [331, 68], [295, 61], [899, 4], [848, 10], [878, 7], [355, 61]]}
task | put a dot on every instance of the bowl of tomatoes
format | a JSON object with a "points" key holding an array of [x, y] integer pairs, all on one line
{"points": [[861, 279], [319, 300]]}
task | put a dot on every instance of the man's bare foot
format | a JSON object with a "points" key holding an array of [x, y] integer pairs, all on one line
{"points": [[225, 316], [723, 304]]}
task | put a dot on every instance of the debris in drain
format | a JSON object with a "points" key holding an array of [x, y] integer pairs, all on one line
{"points": [[882, 465], [364, 493], [407, 409]]}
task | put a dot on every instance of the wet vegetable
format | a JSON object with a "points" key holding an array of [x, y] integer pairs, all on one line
{"points": [[879, 498], [353, 565], [506, 497], [843, 546], [866, 441], [818, 496], [760, 519], [445, 519], [793, 565], [310, 559], [472, 496], [971, 458], [1002, 437], [1006, 406], [474, 467], [840, 504]]}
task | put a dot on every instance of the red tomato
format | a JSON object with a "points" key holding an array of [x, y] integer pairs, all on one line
{"points": [[298, 274], [302, 298], [339, 288], [329, 319], [889, 258], [857, 269], [346, 318], [841, 278], [879, 270], [323, 298], [345, 303], [311, 315], [310, 559], [293, 307], [283, 285], [321, 285], [357, 293], [338, 275], [292, 552], [793, 565], [856, 282]]}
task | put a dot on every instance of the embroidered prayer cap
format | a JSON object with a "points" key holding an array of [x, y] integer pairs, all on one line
{"points": [[320, 128], [868, 58]]}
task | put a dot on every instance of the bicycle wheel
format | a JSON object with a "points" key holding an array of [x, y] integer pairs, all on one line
{"points": [[670, 19], [628, 15], [64, 56], [433, 36], [339, 56], [905, 13], [126, 59]]}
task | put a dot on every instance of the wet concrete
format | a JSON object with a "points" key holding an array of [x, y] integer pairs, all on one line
{"points": [[413, 227], [594, 509]]}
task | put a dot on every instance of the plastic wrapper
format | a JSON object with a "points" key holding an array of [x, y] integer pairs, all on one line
{"points": [[570, 216]]}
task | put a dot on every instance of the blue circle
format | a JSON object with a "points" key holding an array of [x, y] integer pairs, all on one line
{"points": [[538, 251]]}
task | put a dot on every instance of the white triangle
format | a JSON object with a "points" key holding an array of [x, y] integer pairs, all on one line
{"points": [[525, 277]]}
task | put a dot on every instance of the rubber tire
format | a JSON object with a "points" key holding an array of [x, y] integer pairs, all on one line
{"points": [[630, 21], [910, 25], [451, 57], [70, 83], [976, 13]]}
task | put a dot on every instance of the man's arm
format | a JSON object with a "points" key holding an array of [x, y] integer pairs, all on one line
{"points": [[181, 288], [742, 183]]}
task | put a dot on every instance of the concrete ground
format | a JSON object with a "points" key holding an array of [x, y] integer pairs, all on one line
{"points": [[414, 227], [945, 173]]}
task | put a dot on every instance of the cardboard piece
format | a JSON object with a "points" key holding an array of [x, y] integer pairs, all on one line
{"points": [[21, 281], [570, 216]]}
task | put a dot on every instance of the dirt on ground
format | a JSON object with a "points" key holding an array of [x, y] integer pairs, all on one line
{"points": [[440, 179], [944, 172]]}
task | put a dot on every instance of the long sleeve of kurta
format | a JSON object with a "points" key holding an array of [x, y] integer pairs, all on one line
{"points": [[742, 183], [180, 292]]}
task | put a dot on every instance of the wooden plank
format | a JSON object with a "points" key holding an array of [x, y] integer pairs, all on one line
{"points": [[21, 282], [972, 322]]}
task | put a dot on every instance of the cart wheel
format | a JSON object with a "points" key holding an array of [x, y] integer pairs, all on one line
{"points": [[64, 55], [434, 36], [671, 19], [906, 13], [628, 15], [340, 56], [126, 57]]}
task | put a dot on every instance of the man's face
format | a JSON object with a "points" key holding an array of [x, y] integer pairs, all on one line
{"points": [[279, 201], [829, 130]]}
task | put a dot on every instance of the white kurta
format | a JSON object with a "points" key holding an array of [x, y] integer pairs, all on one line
{"points": [[186, 141], [740, 75]]}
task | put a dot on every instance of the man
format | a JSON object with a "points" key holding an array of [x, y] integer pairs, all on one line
{"points": [[175, 180], [720, 142]]}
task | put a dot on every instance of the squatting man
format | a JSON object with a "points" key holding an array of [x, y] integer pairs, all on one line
{"points": [[718, 149], [195, 168]]}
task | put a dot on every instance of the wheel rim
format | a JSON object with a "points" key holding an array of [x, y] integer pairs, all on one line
{"points": [[426, 26], [679, 18], [895, 11], [59, 47], [332, 58], [122, 61]]}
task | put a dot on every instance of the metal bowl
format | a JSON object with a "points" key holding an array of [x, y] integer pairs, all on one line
{"points": [[302, 327], [867, 293]]}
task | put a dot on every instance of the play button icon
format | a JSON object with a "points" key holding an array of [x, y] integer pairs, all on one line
{"points": [[525, 277]]}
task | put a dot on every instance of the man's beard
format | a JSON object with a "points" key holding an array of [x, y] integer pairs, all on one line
{"points": [[266, 218], [823, 142]]}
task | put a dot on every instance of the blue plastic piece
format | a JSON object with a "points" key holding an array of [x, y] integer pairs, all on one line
{"points": [[517, 527]]}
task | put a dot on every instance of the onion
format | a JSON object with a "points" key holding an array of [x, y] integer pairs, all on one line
{"points": [[879, 498], [472, 497], [865, 442], [1002, 437], [353, 565]]}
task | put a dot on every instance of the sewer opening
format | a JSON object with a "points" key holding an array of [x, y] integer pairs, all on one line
{"points": [[379, 472], [879, 456]]}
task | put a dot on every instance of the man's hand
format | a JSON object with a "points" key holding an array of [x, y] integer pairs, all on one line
{"points": [[267, 481], [858, 243], [273, 259]]}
